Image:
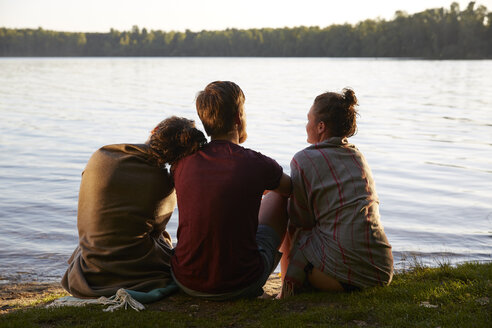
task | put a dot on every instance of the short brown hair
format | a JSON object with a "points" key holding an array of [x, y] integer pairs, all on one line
{"points": [[217, 106], [337, 111], [173, 139]]}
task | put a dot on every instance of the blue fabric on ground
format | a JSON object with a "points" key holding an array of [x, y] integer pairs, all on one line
{"points": [[154, 295]]}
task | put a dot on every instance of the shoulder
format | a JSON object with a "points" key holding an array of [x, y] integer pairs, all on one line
{"points": [[304, 152], [353, 150], [118, 154], [131, 149], [125, 150], [304, 155], [256, 156], [252, 153], [235, 151]]}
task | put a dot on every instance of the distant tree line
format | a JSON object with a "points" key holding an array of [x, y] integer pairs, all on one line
{"points": [[433, 33]]}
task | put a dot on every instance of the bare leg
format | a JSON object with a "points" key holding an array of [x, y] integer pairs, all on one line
{"points": [[285, 249], [324, 282], [273, 213]]}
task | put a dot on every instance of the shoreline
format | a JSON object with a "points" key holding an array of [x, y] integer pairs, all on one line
{"points": [[445, 296], [17, 296]]}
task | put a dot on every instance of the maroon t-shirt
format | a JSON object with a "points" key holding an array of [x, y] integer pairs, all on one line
{"points": [[219, 191]]}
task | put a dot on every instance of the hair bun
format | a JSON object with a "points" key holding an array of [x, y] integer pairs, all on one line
{"points": [[349, 96]]}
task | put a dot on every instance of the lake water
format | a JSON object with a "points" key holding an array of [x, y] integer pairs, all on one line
{"points": [[425, 128]]}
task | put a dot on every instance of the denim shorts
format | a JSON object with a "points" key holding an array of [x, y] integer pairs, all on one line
{"points": [[268, 242]]}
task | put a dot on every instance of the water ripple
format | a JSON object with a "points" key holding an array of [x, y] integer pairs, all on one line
{"points": [[424, 128]]}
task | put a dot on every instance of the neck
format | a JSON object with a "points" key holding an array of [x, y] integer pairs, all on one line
{"points": [[231, 136], [324, 136]]}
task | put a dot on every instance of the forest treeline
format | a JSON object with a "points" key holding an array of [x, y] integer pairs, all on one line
{"points": [[434, 33]]}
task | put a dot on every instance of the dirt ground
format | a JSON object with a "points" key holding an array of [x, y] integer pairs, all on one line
{"points": [[15, 296]]}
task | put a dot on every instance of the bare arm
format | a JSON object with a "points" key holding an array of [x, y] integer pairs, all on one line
{"points": [[285, 186]]}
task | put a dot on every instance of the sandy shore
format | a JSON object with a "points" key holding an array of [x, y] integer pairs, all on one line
{"points": [[17, 296]]}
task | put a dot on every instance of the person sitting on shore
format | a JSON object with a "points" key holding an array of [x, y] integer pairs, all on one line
{"points": [[227, 245], [126, 199], [336, 241]]}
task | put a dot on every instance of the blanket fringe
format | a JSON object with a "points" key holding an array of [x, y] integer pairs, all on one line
{"points": [[120, 300]]}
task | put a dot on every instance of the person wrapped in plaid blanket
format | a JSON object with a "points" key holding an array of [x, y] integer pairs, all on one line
{"points": [[335, 239]]}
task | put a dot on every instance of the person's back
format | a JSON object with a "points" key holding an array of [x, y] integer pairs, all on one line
{"points": [[118, 182], [225, 248], [347, 240], [119, 193], [337, 241], [220, 187], [125, 201]]}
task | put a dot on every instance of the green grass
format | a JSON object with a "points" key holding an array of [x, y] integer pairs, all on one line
{"points": [[457, 296]]}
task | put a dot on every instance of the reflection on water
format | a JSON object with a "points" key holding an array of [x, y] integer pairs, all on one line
{"points": [[424, 126]]}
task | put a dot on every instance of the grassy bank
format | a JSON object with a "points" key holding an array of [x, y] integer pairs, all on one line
{"points": [[423, 297]]}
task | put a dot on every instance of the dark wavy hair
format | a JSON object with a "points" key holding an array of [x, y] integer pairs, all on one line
{"points": [[173, 139], [337, 111], [217, 106]]}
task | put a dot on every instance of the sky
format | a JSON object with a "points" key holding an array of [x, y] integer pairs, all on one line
{"points": [[197, 15]]}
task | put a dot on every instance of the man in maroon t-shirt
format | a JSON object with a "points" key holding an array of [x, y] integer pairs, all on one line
{"points": [[228, 236]]}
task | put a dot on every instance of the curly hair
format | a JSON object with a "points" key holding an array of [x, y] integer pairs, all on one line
{"points": [[173, 139], [338, 112]]}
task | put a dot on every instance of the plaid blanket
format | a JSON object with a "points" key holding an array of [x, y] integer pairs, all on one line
{"points": [[335, 208]]}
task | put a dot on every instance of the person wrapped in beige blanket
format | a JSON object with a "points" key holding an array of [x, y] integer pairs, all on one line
{"points": [[126, 199]]}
